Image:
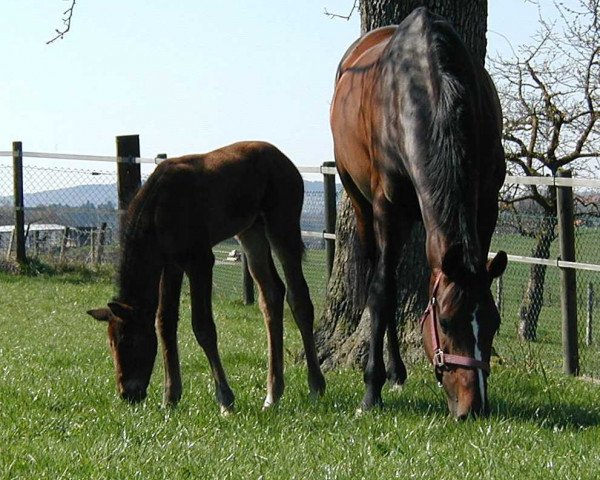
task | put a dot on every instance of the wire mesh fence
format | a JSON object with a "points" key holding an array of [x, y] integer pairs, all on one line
{"points": [[71, 216]]}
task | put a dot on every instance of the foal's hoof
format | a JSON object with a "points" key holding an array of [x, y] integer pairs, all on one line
{"points": [[227, 411]]}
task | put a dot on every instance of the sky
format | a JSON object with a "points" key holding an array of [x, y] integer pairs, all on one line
{"points": [[187, 75]]}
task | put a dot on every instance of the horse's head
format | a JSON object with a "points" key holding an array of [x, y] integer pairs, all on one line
{"points": [[458, 329], [133, 347]]}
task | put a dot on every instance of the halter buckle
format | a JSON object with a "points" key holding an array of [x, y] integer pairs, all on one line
{"points": [[438, 358]]}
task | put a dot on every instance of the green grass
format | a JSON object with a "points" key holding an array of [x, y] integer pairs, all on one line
{"points": [[60, 416]]}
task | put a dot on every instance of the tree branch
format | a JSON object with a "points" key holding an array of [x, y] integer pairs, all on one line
{"points": [[345, 17], [67, 15]]}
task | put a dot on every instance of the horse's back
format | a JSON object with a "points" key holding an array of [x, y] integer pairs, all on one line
{"points": [[377, 37], [207, 198]]}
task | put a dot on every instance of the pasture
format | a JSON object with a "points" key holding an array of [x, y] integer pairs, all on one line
{"points": [[60, 416]]}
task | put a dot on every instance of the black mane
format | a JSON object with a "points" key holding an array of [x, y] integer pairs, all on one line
{"points": [[446, 114]]}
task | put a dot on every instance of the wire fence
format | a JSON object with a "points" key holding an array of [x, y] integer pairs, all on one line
{"points": [[71, 217]]}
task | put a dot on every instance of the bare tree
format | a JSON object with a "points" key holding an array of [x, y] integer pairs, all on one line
{"points": [[550, 94], [67, 15]]}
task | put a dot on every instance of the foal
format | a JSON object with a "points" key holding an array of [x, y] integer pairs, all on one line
{"points": [[250, 190]]}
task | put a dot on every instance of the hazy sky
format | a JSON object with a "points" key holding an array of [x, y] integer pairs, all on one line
{"points": [[186, 75]]}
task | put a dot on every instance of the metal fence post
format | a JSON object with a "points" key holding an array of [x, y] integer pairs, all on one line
{"points": [[590, 315], [129, 178], [499, 297], [329, 194], [17, 154], [568, 280], [247, 282], [100, 243]]}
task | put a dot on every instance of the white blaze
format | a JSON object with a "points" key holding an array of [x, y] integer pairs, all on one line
{"points": [[477, 354]]}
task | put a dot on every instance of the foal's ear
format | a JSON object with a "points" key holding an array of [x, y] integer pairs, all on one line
{"points": [[101, 314], [120, 310], [497, 265], [453, 263]]}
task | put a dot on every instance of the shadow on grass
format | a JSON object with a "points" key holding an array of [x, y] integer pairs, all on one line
{"points": [[552, 405]]}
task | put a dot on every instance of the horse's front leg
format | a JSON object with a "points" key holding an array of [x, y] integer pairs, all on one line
{"points": [[167, 318], [390, 232]]}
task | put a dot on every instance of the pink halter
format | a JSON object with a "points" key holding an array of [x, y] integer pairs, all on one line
{"points": [[442, 360]]}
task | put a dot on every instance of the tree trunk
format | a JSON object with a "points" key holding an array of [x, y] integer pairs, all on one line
{"points": [[344, 328], [533, 299]]}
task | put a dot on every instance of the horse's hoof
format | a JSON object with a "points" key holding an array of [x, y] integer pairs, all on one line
{"points": [[396, 387], [227, 411]]}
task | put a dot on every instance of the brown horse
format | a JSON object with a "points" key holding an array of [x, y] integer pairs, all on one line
{"points": [[416, 124], [188, 205]]}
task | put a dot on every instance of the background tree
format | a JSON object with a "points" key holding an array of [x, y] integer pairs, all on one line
{"points": [[550, 96], [344, 327]]}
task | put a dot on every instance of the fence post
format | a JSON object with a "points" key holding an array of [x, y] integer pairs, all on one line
{"points": [[499, 297], [11, 241], [129, 178], [63, 245], [568, 281], [590, 314], [329, 194], [247, 282], [17, 154], [100, 243]]}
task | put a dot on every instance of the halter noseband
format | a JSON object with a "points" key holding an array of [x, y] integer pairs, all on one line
{"points": [[440, 359]]}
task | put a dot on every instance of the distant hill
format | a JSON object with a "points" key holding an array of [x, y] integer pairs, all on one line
{"points": [[96, 194]]}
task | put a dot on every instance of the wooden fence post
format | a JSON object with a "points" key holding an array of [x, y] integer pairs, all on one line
{"points": [[247, 282], [17, 154], [568, 280], [129, 177], [329, 194], [590, 314]]}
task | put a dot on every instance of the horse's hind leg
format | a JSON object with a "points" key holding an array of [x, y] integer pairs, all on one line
{"points": [[284, 235], [271, 293], [167, 318], [199, 270]]}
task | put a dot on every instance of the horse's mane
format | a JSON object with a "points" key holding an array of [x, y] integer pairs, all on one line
{"points": [[135, 238], [448, 168]]}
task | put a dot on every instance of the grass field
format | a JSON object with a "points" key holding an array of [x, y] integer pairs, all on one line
{"points": [[60, 416]]}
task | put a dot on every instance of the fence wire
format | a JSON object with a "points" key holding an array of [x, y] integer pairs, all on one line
{"points": [[71, 217]]}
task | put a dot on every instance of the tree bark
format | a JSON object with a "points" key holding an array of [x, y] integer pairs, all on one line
{"points": [[343, 331]]}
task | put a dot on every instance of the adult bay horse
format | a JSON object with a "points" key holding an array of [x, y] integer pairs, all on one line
{"points": [[416, 124], [188, 205]]}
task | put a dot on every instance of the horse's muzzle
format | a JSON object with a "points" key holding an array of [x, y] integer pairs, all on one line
{"points": [[133, 393]]}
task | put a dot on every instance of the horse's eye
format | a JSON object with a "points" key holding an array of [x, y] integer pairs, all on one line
{"points": [[445, 323]]}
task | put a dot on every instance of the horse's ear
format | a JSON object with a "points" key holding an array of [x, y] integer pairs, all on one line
{"points": [[120, 310], [453, 263], [101, 314], [497, 265]]}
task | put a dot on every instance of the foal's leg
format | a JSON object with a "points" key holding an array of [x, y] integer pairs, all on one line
{"points": [[199, 272], [271, 292], [167, 318], [284, 235], [390, 233]]}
